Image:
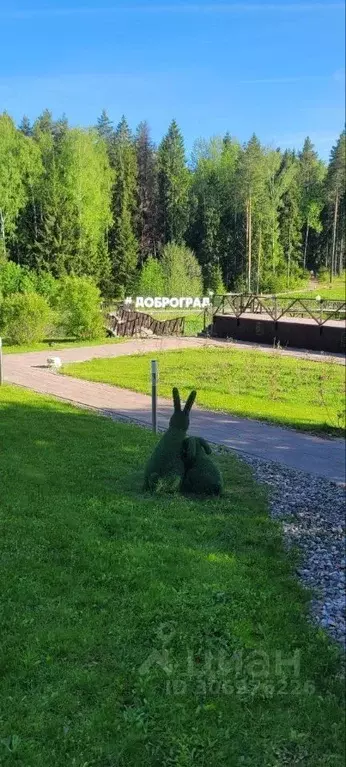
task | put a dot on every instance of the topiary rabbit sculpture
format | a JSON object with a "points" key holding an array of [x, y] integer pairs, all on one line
{"points": [[166, 460], [201, 475]]}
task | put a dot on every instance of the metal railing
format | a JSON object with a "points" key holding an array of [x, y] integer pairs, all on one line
{"points": [[238, 304]]}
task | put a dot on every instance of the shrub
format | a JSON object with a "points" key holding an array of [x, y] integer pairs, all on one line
{"points": [[15, 279], [151, 279], [278, 283], [214, 280], [47, 286], [25, 318], [182, 272], [323, 275], [78, 304]]}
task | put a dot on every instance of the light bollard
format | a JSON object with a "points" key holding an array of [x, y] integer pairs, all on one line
{"points": [[154, 380]]}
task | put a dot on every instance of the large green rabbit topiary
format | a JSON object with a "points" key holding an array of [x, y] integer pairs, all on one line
{"points": [[201, 475], [166, 460]]}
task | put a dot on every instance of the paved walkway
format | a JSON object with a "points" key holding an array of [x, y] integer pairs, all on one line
{"points": [[298, 450]]}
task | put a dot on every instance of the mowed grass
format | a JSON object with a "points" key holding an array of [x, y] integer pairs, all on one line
{"points": [[334, 292], [272, 387], [56, 344], [148, 631]]}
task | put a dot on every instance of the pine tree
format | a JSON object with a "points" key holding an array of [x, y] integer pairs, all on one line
{"points": [[174, 179], [148, 234], [251, 182], [290, 222], [335, 187], [25, 126], [44, 123], [311, 177], [60, 128], [104, 127], [123, 243]]}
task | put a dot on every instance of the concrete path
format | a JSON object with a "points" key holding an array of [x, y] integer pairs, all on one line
{"points": [[298, 450]]}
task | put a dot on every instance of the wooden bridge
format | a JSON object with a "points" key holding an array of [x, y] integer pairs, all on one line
{"points": [[289, 322], [124, 322]]}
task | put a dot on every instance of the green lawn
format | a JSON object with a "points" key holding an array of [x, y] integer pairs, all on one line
{"points": [[294, 392], [56, 344], [141, 631], [335, 292]]}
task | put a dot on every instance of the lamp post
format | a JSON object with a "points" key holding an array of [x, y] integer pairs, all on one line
{"points": [[154, 379]]}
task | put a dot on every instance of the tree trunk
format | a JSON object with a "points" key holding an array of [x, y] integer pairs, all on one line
{"points": [[247, 235], [341, 255], [289, 259], [306, 244], [34, 211], [259, 258], [250, 246], [2, 233], [335, 222]]}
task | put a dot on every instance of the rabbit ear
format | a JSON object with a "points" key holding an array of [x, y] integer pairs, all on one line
{"points": [[176, 400], [189, 402], [205, 445]]}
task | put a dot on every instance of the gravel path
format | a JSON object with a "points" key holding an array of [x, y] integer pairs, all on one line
{"points": [[312, 512]]}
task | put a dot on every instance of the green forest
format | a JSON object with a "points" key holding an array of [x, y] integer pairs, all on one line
{"points": [[108, 203]]}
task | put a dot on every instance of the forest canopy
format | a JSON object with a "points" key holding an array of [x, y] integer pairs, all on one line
{"points": [[103, 201]]}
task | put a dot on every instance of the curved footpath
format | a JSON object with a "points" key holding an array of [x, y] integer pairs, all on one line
{"points": [[294, 449]]}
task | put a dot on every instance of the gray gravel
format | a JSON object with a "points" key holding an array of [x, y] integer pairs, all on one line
{"points": [[312, 512]]}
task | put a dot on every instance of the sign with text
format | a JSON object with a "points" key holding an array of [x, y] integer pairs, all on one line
{"points": [[164, 302]]}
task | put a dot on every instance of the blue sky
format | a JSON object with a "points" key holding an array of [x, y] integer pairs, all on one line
{"points": [[273, 68]]}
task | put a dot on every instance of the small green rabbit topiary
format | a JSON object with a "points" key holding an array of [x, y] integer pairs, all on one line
{"points": [[201, 475], [166, 460]]}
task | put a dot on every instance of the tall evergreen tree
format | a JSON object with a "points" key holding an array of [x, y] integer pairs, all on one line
{"points": [[44, 123], [25, 126], [311, 176], [174, 180], [336, 197], [290, 222], [104, 127], [123, 242], [251, 181], [148, 234]]}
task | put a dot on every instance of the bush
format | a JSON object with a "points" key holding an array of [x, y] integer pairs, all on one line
{"points": [[182, 272], [151, 280], [323, 275], [47, 286], [78, 304], [214, 280], [15, 279], [25, 318], [278, 283]]}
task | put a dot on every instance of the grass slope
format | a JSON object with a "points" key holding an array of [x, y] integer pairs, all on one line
{"points": [[286, 390], [147, 631], [334, 292]]}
